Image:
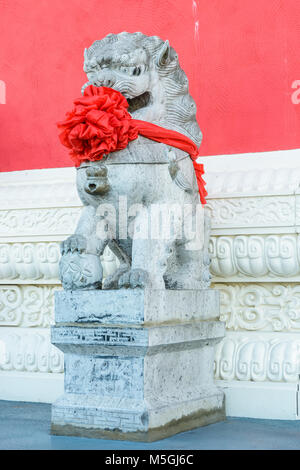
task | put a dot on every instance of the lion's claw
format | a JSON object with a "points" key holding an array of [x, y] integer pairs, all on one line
{"points": [[133, 278], [75, 243]]}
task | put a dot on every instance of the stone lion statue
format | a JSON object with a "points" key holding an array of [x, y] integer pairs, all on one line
{"points": [[130, 194]]}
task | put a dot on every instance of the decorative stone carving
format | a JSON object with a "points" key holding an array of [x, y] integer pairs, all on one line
{"points": [[139, 345], [27, 350], [29, 261], [37, 263], [253, 211], [257, 256], [258, 358], [264, 307], [58, 221], [27, 306]]}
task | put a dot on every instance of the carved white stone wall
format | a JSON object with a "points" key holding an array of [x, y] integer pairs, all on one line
{"points": [[255, 249], [258, 358], [260, 307], [29, 350], [247, 257], [26, 305]]}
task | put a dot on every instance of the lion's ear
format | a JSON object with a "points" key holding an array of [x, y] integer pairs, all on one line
{"points": [[163, 55]]}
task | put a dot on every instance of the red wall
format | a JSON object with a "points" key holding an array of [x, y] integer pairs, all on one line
{"points": [[241, 58]]}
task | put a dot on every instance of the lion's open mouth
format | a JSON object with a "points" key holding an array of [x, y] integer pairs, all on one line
{"points": [[138, 102]]}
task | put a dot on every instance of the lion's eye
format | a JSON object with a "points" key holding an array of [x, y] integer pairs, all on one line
{"points": [[136, 71]]}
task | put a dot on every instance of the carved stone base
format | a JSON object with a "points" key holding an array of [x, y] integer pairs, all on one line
{"points": [[129, 380], [201, 417]]}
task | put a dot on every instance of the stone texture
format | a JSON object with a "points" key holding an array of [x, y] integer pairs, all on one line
{"points": [[137, 381], [136, 306], [93, 422]]}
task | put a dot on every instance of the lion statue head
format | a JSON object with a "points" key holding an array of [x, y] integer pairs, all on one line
{"points": [[146, 70]]}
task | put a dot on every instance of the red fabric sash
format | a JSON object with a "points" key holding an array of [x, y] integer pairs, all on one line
{"points": [[178, 140], [100, 124]]}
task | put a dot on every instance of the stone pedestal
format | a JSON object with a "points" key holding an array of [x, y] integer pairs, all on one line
{"points": [[138, 364]]}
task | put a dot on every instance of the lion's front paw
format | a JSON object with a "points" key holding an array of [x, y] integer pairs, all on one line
{"points": [[75, 243], [112, 281], [134, 278]]}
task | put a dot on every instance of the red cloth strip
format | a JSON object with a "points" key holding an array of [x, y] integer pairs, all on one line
{"points": [[178, 140]]}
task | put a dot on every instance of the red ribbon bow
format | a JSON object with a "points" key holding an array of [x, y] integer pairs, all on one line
{"points": [[100, 124]]}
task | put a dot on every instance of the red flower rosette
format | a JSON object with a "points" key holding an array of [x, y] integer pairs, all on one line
{"points": [[99, 124]]}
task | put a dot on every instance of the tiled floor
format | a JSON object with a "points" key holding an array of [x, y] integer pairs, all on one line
{"points": [[26, 426]]}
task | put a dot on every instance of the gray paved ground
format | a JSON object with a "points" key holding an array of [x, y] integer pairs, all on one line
{"points": [[26, 426]]}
